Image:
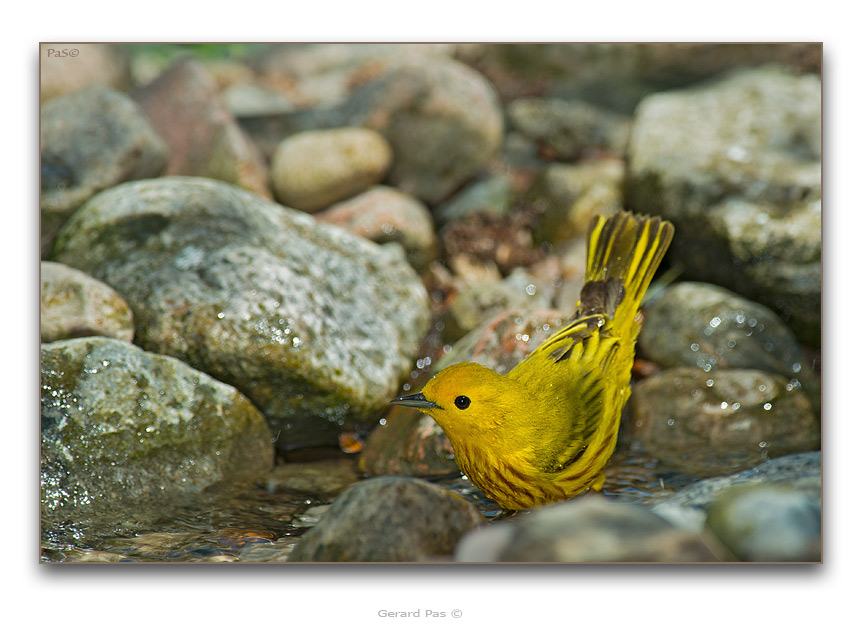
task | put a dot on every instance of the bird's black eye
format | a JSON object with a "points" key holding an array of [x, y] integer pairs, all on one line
{"points": [[462, 402]]}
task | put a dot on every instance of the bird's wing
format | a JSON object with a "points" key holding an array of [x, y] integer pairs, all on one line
{"points": [[574, 365]]}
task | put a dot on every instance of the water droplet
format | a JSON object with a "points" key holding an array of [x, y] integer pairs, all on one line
{"points": [[710, 382], [670, 421], [763, 444], [715, 321], [695, 347], [531, 290], [724, 405], [796, 367], [220, 315], [767, 406], [735, 406], [731, 343]]}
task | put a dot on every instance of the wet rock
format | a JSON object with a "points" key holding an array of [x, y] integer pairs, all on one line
{"points": [[588, 529], [482, 301], [736, 166], [91, 139], [566, 130], [566, 197], [391, 519], [93, 64], [439, 104], [383, 214], [409, 443], [701, 325], [720, 420], [124, 430], [493, 195], [321, 478], [76, 305], [313, 169], [184, 106], [315, 325], [764, 522], [688, 507]]}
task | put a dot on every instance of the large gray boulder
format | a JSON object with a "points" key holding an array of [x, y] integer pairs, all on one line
{"points": [[315, 325]]}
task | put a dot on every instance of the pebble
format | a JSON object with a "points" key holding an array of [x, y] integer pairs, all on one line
{"points": [[567, 196], [390, 519], [76, 305], [767, 523], [313, 169], [183, 104], [447, 108], [588, 529], [321, 478], [384, 214], [91, 139], [493, 195]]}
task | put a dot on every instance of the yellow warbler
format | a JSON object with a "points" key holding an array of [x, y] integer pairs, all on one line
{"points": [[545, 431]]}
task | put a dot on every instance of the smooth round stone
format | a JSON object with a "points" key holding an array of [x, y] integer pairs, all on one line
{"points": [[313, 169]]}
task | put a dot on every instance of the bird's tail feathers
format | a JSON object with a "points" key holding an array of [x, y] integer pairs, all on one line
{"points": [[623, 254]]}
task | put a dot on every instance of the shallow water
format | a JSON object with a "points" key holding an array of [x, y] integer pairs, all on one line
{"points": [[241, 524], [260, 524]]}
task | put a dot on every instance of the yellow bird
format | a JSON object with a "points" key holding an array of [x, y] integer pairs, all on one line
{"points": [[545, 431]]}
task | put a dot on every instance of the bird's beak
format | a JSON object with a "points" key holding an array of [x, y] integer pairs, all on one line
{"points": [[416, 400]]}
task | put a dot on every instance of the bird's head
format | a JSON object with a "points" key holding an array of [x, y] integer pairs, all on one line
{"points": [[466, 399]]}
